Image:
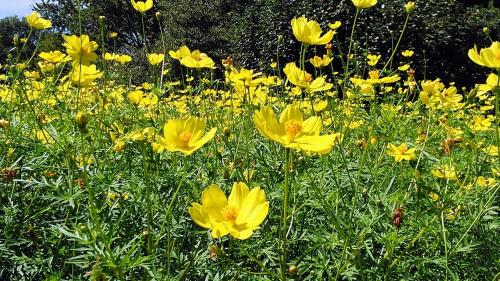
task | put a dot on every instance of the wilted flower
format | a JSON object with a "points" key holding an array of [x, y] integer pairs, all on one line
{"points": [[239, 215]]}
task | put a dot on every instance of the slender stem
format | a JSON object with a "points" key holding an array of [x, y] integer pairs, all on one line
{"points": [[397, 44], [351, 40], [285, 214], [497, 110]]}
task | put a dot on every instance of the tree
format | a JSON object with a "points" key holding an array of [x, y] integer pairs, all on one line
{"points": [[11, 27]]}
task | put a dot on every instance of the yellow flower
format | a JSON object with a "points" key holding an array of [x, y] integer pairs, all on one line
{"points": [[374, 78], [239, 215], [444, 172], [179, 54], [407, 53], [155, 59], [401, 152], [84, 75], [309, 32], [37, 22], [409, 7], [404, 67], [489, 57], [142, 6], [304, 80], [484, 182], [184, 135], [320, 62], [364, 4], [80, 48], [373, 59], [335, 25], [198, 60], [292, 131], [492, 150], [54, 57], [481, 123]]}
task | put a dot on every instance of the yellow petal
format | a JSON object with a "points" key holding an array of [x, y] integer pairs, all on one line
{"points": [[238, 194]]}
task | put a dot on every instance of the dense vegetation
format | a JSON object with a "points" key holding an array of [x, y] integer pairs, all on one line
{"points": [[335, 154]]}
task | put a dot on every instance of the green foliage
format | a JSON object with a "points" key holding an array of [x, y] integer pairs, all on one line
{"points": [[439, 37]]}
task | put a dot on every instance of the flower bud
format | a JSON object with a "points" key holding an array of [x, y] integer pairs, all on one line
{"points": [[102, 19], [486, 30], [81, 119], [293, 269], [409, 7], [4, 124], [280, 39], [158, 15]]}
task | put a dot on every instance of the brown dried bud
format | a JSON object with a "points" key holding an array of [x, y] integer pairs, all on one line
{"points": [[448, 144], [8, 174], [227, 62], [213, 252], [361, 143], [397, 217], [4, 124], [80, 182]]}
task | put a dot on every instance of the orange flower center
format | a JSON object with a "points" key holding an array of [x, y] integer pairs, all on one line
{"points": [[185, 137], [293, 127], [373, 74], [229, 213], [308, 77]]}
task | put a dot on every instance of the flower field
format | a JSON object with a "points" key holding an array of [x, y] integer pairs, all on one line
{"points": [[300, 171]]}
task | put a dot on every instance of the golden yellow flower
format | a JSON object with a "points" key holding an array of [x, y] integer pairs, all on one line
{"points": [[364, 4], [155, 59], [292, 131], [492, 150], [198, 60], [84, 75], [184, 135], [142, 6], [488, 57], [304, 80], [401, 152], [239, 215], [407, 53], [37, 22], [54, 57], [335, 25], [444, 172], [373, 59], [320, 62], [309, 32], [80, 48]]}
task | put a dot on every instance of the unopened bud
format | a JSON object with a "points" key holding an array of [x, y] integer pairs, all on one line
{"points": [[280, 39], [486, 30], [409, 7], [4, 124], [81, 119], [293, 269], [102, 19], [158, 15]]}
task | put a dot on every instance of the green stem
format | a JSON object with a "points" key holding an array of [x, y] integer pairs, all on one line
{"points": [[397, 44], [285, 214], [350, 42]]}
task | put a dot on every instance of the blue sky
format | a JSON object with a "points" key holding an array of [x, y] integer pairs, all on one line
{"points": [[18, 8]]}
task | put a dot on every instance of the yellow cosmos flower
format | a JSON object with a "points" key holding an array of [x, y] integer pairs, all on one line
{"points": [[481, 123], [374, 78], [488, 57], [179, 54], [492, 150], [304, 80], [407, 53], [142, 6], [198, 60], [184, 135], [155, 59], [320, 62], [444, 172], [364, 4], [401, 152], [239, 215], [84, 75], [373, 59], [292, 131], [80, 48], [37, 22], [54, 57], [309, 32], [491, 85]]}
